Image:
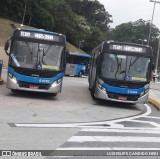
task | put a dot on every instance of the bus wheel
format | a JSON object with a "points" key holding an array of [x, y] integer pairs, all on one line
{"points": [[80, 74], [92, 95], [54, 94], [13, 90]]}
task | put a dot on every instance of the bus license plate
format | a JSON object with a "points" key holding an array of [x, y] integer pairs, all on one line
{"points": [[34, 87], [122, 98]]}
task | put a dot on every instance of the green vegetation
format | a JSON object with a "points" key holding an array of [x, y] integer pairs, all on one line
{"points": [[84, 22]]}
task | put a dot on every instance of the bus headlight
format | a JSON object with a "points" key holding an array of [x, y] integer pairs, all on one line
{"points": [[142, 93], [102, 88], [146, 88], [57, 82], [13, 78]]}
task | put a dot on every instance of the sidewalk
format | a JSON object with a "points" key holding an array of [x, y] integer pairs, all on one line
{"points": [[154, 94]]}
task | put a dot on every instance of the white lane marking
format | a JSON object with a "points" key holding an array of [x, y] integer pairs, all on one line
{"points": [[106, 148], [147, 131], [148, 112], [123, 139], [148, 122], [154, 117], [112, 123], [46, 125]]}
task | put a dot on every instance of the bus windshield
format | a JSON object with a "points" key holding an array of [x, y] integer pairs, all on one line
{"points": [[31, 55], [125, 67]]}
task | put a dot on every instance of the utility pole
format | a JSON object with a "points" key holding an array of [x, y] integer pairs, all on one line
{"points": [[157, 58], [24, 12]]}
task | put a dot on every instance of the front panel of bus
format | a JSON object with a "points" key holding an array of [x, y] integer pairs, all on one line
{"points": [[124, 76], [36, 61]]}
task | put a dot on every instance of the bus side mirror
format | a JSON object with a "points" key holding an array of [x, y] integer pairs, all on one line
{"points": [[6, 46]]}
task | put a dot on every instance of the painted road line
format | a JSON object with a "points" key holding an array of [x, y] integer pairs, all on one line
{"points": [[59, 125], [150, 131], [152, 117], [134, 139], [148, 122], [112, 123]]}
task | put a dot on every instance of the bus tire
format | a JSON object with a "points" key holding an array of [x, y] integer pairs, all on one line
{"points": [[13, 90], [80, 74], [54, 94], [92, 94]]}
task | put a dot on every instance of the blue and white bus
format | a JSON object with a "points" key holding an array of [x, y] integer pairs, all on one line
{"points": [[77, 64], [37, 60], [120, 72]]}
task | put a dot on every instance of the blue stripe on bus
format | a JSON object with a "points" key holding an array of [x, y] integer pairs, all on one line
{"points": [[37, 80], [122, 90]]}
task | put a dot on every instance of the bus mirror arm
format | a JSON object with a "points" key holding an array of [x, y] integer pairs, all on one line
{"points": [[6, 46]]}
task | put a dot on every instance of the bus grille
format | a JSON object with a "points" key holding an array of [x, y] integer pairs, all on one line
{"points": [[125, 84], [128, 97], [27, 85]]}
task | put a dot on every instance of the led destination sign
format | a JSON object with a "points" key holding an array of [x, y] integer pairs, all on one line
{"points": [[40, 36], [128, 48]]}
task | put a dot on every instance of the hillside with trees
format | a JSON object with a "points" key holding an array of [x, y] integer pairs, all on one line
{"points": [[85, 23]]}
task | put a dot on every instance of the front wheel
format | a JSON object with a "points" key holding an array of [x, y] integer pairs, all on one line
{"points": [[14, 91], [80, 74], [52, 94], [92, 94]]}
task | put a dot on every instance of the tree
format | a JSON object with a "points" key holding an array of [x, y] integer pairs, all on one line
{"points": [[133, 31], [93, 11]]}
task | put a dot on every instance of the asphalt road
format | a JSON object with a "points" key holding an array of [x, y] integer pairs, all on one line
{"points": [[31, 121]]}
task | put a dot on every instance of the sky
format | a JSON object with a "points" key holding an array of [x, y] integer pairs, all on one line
{"points": [[124, 11]]}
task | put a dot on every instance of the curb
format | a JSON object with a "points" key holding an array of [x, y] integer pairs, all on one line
{"points": [[1, 81], [154, 102]]}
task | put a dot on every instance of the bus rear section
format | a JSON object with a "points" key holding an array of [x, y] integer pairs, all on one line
{"points": [[36, 61], [77, 64], [120, 72]]}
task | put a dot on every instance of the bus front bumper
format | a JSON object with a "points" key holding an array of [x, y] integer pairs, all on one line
{"points": [[102, 94], [14, 85]]}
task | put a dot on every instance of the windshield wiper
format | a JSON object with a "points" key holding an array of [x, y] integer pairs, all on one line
{"points": [[118, 66], [30, 51], [45, 53], [132, 63]]}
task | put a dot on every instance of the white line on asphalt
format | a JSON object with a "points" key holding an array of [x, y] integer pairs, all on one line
{"points": [[47, 125], [112, 123], [154, 117], [148, 122], [148, 112], [147, 131], [123, 139]]}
